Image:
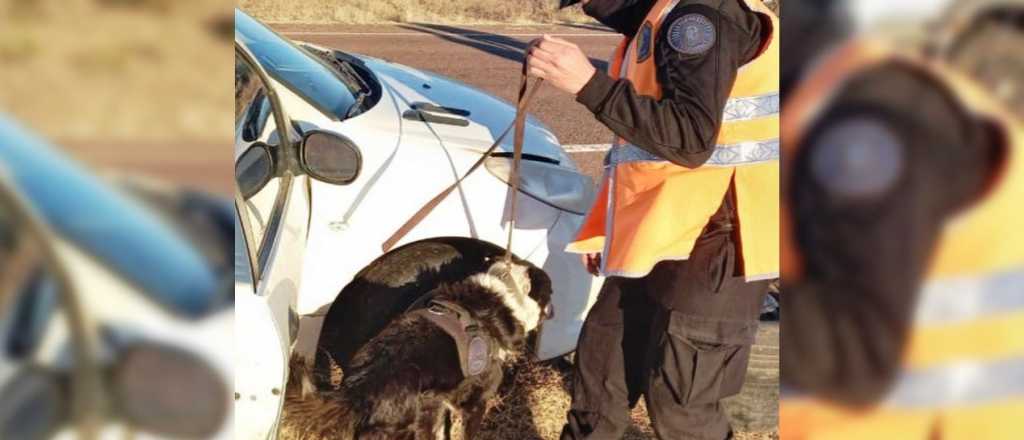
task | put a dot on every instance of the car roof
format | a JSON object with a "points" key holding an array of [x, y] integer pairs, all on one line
{"points": [[110, 226]]}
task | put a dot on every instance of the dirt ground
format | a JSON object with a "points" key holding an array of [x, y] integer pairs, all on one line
{"points": [[419, 11], [991, 52], [413, 11], [534, 400], [118, 70], [138, 86]]}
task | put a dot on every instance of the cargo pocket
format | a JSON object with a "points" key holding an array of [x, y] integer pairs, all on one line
{"points": [[704, 363]]}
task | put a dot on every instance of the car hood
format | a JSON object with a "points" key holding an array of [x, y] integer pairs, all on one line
{"points": [[487, 115]]}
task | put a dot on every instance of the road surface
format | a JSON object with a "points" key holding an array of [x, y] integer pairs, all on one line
{"points": [[203, 165], [486, 57]]}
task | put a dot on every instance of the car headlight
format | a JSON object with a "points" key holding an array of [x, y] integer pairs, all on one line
{"points": [[557, 186]]}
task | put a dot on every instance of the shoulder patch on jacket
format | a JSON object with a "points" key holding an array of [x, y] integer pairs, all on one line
{"points": [[692, 34], [859, 158], [643, 46]]}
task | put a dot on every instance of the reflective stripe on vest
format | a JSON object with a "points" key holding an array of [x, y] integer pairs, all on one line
{"points": [[650, 210], [965, 375], [724, 155], [751, 107], [964, 299], [963, 384], [964, 397]]}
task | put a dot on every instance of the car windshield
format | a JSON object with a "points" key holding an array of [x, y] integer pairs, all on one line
{"points": [[113, 228], [303, 73]]}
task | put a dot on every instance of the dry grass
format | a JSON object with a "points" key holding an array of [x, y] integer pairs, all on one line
{"points": [[412, 11], [140, 70], [532, 407], [419, 11]]}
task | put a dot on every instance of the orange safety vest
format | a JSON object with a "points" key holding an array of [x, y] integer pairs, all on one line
{"points": [[963, 368], [650, 210]]}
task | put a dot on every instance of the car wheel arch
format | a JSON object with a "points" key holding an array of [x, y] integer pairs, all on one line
{"points": [[385, 288]]}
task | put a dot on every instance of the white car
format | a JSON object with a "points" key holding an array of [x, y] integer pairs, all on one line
{"points": [[334, 152], [116, 318]]}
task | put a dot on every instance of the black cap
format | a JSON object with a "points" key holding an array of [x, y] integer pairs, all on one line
{"points": [[565, 3]]}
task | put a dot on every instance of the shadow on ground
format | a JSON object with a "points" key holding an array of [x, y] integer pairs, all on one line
{"points": [[535, 399], [588, 26], [494, 44]]}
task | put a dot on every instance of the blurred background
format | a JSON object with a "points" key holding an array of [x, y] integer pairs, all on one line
{"points": [[903, 262], [124, 83], [116, 220]]}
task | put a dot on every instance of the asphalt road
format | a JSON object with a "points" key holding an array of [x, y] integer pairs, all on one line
{"points": [[205, 165], [486, 57]]}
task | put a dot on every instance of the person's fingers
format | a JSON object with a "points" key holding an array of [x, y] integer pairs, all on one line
{"points": [[538, 73], [538, 62], [546, 52], [550, 52], [592, 263]]}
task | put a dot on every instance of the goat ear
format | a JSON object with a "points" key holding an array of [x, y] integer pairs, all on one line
{"points": [[540, 282]]}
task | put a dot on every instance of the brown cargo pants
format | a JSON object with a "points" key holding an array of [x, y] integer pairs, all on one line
{"points": [[680, 337]]}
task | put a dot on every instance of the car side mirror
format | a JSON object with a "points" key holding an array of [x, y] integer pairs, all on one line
{"points": [[330, 157], [190, 399], [253, 169]]}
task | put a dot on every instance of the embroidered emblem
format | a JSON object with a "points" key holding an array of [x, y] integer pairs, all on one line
{"points": [[643, 45], [692, 34], [478, 356], [858, 158]]}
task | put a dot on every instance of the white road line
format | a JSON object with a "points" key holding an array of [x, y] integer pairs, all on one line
{"points": [[428, 34], [587, 148]]}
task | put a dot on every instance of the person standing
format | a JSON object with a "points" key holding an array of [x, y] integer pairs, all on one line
{"points": [[685, 226]]}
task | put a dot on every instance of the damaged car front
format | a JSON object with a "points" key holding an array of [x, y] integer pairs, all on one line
{"points": [[386, 138]]}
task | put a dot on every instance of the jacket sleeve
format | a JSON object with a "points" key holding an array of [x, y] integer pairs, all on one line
{"points": [[624, 16], [683, 125], [867, 226]]}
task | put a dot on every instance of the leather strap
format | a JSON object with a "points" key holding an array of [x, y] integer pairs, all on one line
{"points": [[472, 344], [525, 96]]}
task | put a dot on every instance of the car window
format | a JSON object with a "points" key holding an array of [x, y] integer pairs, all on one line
{"points": [[252, 107], [301, 72], [28, 292], [257, 147], [243, 271]]}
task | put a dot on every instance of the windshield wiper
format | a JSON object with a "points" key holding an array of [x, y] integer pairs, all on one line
{"points": [[364, 88], [350, 76], [357, 106]]}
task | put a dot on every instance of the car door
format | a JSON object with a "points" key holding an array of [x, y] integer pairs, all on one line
{"points": [[272, 207]]}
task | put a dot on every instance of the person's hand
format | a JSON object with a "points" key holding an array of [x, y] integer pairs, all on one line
{"points": [[561, 63], [593, 263]]}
